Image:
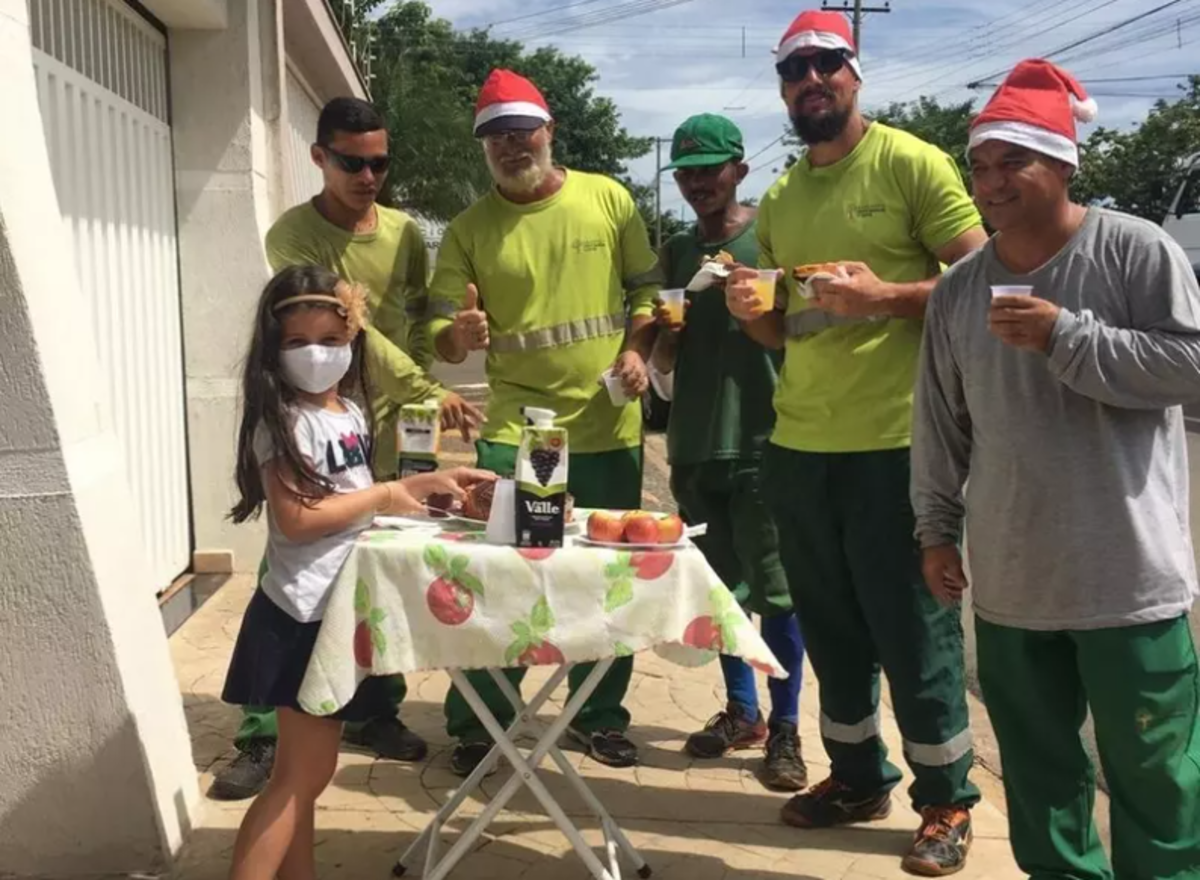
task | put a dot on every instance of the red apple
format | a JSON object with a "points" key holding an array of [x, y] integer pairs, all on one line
{"points": [[604, 526], [670, 529], [641, 528]]}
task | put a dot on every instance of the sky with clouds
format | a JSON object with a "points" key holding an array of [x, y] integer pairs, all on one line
{"points": [[686, 56]]}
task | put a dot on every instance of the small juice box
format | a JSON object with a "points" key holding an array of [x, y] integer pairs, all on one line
{"points": [[418, 436]]}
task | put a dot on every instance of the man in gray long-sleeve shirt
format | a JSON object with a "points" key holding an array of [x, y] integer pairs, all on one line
{"points": [[1062, 406]]}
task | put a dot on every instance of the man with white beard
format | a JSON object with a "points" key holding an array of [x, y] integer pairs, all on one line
{"points": [[553, 275]]}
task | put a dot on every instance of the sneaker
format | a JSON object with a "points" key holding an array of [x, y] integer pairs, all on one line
{"points": [[247, 774], [784, 768], [727, 731], [388, 738], [608, 746], [466, 757], [832, 803], [942, 842]]}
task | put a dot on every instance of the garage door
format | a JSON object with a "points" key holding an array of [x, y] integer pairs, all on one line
{"points": [[102, 86]]}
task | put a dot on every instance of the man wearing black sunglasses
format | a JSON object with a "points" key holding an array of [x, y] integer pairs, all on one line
{"points": [[344, 230], [887, 209]]}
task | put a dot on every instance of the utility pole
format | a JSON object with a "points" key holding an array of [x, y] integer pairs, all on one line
{"points": [[658, 167], [856, 11]]}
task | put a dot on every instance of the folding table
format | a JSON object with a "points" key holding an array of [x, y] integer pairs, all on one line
{"points": [[434, 598]]}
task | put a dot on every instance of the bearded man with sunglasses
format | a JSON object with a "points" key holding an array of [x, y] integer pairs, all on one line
{"points": [[552, 274], [344, 230], [889, 209]]}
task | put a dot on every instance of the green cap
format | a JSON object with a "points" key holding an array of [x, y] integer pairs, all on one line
{"points": [[706, 139]]}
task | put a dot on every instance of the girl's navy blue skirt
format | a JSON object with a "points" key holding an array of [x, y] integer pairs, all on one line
{"points": [[271, 657]]}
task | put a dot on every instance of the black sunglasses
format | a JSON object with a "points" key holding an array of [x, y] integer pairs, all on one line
{"points": [[794, 68], [355, 164]]}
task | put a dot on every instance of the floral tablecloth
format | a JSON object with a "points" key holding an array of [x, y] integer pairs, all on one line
{"points": [[434, 598]]}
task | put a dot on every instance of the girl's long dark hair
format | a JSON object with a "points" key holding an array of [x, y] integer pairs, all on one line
{"points": [[266, 396]]}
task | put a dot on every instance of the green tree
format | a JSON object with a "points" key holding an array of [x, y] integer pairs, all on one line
{"points": [[1137, 171], [944, 126], [427, 77]]}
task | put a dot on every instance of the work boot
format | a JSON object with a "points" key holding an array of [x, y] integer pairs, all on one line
{"points": [[466, 757], [388, 738], [607, 746], [942, 842], [247, 774], [726, 732], [784, 768], [832, 803]]}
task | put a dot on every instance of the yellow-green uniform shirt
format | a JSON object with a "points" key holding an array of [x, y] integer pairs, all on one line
{"points": [[558, 279], [847, 386], [391, 263]]}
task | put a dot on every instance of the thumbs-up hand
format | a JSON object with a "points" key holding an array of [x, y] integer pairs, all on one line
{"points": [[470, 326]]}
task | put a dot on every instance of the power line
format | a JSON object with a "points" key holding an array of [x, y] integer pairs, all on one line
{"points": [[970, 46], [764, 149], [619, 12], [1149, 32], [1093, 37], [1038, 26], [540, 13]]}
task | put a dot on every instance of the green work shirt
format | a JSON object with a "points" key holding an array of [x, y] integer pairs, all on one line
{"points": [[559, 280], [892, 203], [724, 381], [390, 262]]}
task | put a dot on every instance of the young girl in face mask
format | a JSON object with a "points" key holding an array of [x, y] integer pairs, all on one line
{"points": [[304, 452]]}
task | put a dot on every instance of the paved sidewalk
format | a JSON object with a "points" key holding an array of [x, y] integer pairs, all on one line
{"points": [[691, 820]]}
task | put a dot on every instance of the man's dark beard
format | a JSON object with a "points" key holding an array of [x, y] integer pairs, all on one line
{"points": [[820, 129]]}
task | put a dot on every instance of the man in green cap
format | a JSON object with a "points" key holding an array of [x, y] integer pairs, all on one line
{"points": [[721, 384]]}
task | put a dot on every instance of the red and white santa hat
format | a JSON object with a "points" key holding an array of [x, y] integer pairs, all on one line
{"points": [[819, 29], [1036, 107], [508, 101]]}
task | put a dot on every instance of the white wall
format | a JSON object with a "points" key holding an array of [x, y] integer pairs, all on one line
{"points": [[238, 117], [222, 84], [94, 752]]}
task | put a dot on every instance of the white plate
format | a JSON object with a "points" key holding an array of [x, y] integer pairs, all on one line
{"points": [[621, 545], [415, 521], [572, 528]]}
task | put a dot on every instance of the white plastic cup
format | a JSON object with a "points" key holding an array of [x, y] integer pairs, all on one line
{"points": [[502, 522], [1012, 290], [764, 287], [616, 391], [673, 300]]}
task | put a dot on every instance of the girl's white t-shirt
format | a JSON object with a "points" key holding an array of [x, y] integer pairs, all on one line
{"points": [[299, 575]]}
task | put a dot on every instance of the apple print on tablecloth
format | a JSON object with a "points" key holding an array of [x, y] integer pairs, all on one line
{"points": [[369, 638], [530, 648], [628, 567], [536, 554], [716, 631], [451, 596]]}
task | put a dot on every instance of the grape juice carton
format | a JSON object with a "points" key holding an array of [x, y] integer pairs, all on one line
{"points": [[418, 436], [541, 480]]}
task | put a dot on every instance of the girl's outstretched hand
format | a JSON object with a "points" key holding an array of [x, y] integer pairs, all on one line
{"points": [[452, 482]]}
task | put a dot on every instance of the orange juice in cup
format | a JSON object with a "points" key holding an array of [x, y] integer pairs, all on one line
{"points": [[672, 301], [764, 289]]}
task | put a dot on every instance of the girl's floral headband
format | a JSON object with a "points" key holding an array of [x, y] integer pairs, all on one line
{"points": [[350, 300]]}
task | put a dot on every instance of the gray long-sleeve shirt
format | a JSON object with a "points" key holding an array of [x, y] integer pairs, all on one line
{"points": [[1075, 461]]}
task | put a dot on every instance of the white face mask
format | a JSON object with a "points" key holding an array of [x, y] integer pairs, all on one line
{"points": [[315, 368]]}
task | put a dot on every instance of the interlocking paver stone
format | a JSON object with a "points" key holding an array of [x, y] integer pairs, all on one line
{"points": [[692, 820]]}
